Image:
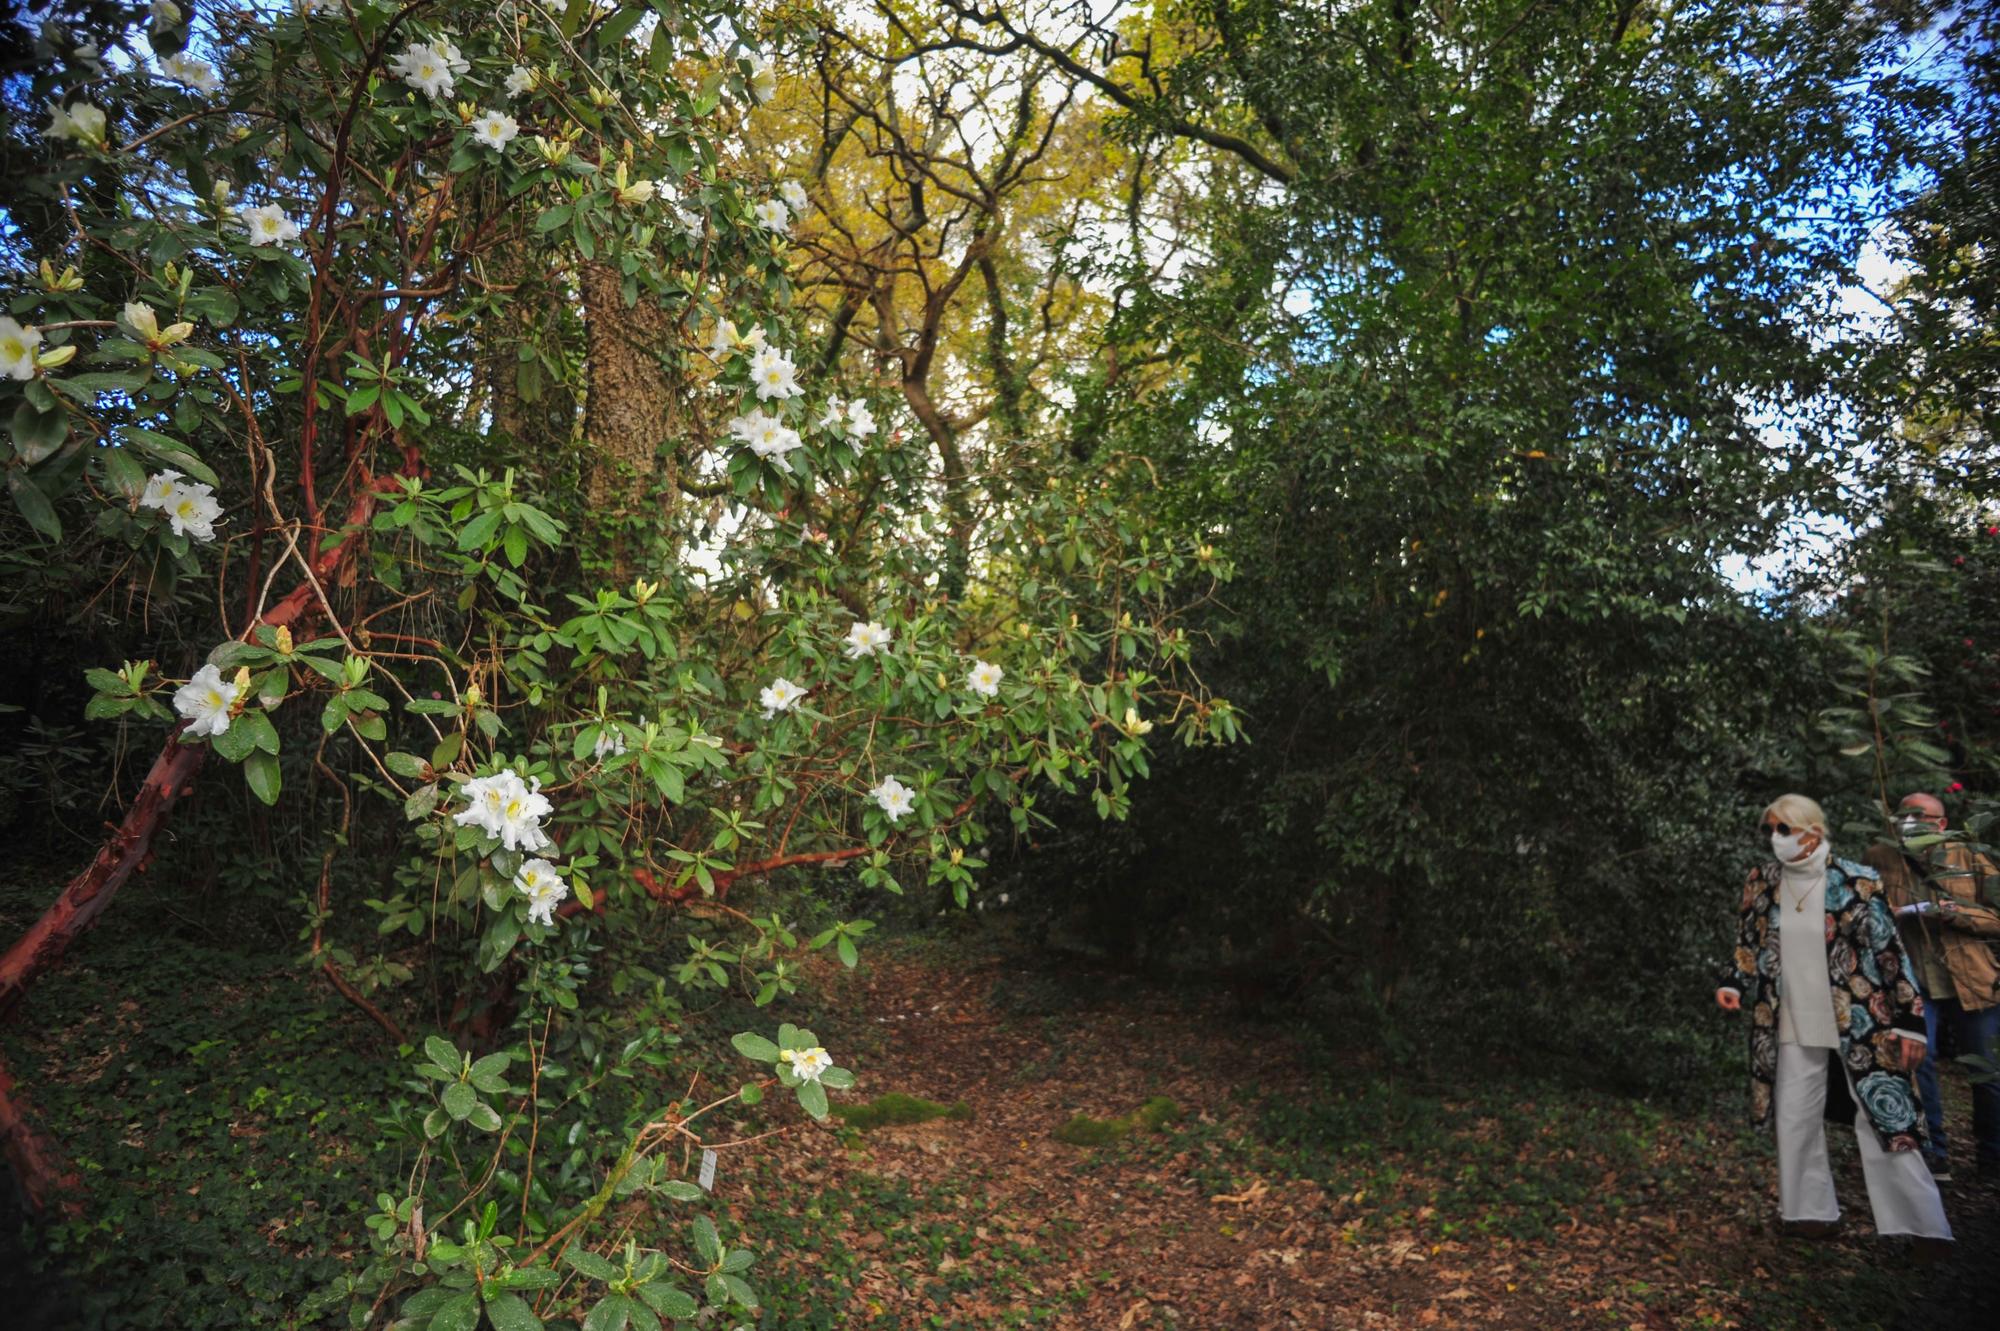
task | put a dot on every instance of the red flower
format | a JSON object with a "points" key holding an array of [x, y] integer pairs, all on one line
{"points": [[1954, 788]]}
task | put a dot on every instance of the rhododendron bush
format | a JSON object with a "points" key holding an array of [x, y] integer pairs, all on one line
{"points": [[433, 369]]}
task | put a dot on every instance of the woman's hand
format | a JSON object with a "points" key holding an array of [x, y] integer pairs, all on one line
{"points": [[1729, 1000]]}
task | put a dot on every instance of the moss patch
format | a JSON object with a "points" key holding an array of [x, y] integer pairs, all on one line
{"points": [[896, 1110], [1083, 1130]]}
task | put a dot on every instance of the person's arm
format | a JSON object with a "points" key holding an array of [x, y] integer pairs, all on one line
{"points": [[1973, 916]]}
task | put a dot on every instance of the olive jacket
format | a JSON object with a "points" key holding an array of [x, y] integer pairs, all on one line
{"points": [[1953, 875]]}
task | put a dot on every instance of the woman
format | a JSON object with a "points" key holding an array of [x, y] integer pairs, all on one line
{"points": [[1849, 1029]]}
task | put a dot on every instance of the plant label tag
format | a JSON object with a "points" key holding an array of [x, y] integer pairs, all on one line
{"points": [[708, 1171]]}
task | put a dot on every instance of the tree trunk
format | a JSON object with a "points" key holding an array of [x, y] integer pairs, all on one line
{"points": [[630, 404], [525, 404]]}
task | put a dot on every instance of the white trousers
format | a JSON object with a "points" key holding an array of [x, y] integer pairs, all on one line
{"points": [[1901, 1192]]}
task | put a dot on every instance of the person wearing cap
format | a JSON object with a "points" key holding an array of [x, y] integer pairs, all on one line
{"points": [[1937, 888], [1835, 1022]]}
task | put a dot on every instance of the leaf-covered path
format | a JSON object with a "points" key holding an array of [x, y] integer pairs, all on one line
{"points": [[1286, 1195]]}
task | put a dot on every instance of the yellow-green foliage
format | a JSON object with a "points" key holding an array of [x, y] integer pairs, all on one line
{"points": [[896, 1110], [1083, 1130]]}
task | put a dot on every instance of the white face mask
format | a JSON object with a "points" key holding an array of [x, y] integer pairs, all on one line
{"points": [[1915, 827], [1788, 848]]}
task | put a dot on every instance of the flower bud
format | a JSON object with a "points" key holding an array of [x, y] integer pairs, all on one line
{"points": [[70, 280], [284, 640], [56, 357]]}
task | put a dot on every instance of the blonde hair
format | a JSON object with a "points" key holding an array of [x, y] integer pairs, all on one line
{"points": [[1798, 810]]}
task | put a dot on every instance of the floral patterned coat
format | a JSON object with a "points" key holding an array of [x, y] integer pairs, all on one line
{"points": [[1873, 996]]}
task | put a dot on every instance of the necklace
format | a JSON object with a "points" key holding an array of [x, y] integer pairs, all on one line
{"points": [[1799, 906]]}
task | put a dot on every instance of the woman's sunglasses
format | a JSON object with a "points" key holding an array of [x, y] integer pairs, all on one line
{"points": [[1769, 830]]}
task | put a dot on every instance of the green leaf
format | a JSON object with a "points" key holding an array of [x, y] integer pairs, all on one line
{"points": [[458, 1100], [484, 1117], [510, 1312], [707, 1243], [260, 730], [490, 1068], [681, 1190], [754, 1046], [812, 1098], [38, 433], [612, 1312], [751, 1094], [261, 771], [739, 1291], [667, 1301], [34, 505], [123, 472], [838, 1079], [172, 452], [420, 803], [404, 764], [442, 1052], [234, 744], [588, 1263], [460, 1314]]}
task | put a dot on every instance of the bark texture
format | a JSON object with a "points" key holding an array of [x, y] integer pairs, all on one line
{"points": [[631, 399]]}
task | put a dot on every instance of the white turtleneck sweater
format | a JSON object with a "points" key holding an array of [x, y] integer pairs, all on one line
{"points": [[1805, 1007]]}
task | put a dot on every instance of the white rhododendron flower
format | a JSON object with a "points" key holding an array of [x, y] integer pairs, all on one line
{"points": [[268, 225], [768, 436], [519, 79], [860, 420], [637, 192], [774, 374], [160, 489], [192, 71], [763, 79], [689, 219], [985, 679], [610, 743], [781, 696], [835, 416], [1134, 726], [794, 195], [538, 881], [726, 339], [865, 638], [495, 129], [429, 67], [17, 348], [807, 1063], [772, 215], [81, 121], [895, 798], [192, 510], [506, 807], [205, 701], [144, 320]]}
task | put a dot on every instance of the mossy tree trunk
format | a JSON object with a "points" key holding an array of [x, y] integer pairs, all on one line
{"points": [[632, 397]]}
